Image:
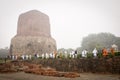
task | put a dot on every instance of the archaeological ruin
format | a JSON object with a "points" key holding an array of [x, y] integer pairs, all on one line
{"points": [[33, 35]]}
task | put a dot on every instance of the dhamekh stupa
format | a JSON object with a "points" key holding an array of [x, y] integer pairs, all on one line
{"points": [[33, 35]]}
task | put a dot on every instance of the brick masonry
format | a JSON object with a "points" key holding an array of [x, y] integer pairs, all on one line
{"points": [[98, 65]]}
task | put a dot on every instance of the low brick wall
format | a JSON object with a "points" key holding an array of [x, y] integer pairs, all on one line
{"points": [[98, 65]]}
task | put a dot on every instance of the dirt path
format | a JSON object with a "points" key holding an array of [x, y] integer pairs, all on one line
{"points": [[83, 76]]}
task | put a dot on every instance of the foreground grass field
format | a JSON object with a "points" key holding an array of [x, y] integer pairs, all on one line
{"points": [[83, 76]]}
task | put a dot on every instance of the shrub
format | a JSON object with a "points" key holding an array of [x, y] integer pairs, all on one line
{"points": [[110, 55], [117, 53], [89, 55], [79, 56], [99, 55], [63, 56], [68, 56]]}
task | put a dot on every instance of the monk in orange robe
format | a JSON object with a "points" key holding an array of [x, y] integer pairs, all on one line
{"points": [[105, 52], [55, 54], [112, 51]]}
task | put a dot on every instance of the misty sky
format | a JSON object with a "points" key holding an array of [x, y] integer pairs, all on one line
{"points": [[70, 20]]}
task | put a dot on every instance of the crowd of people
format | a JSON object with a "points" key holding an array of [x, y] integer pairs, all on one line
{"points": [[104, 52], [73, 54], [34, 56]]}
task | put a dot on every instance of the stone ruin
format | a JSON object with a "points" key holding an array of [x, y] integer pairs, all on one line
{"points": [[33, 35], [24, 66]]}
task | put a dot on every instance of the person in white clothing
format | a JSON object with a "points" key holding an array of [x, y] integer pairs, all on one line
{"points": [[84, 53], [51, 55], [23, 56], [46, 55], [16, 57], [13, 57], [26, 56], [37, 55], [43, 56], [73, 56], [70, 54], [95, 52], [30, 57]]}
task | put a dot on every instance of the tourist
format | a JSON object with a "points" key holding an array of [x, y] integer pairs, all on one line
{"points": [[23, 56], [60, 55], [30, 57], [51, 55], [55, 54], [105, 52], [46, 56], [84, 53], [95, 52], [112, 51], [70, 54], [43, 55], [73, 56], [13, 57], [16, 57], [26, 56], [65, 54], [37, 55], [75, 53]]}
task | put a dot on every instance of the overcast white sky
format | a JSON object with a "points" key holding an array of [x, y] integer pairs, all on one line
{"points": [[70, 20]]}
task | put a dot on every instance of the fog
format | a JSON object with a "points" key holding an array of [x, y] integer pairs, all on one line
{"points": [[70, 20]]}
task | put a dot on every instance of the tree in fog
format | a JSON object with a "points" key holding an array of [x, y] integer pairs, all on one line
{"points": [[63, 50], [4, 52], [79, 50], [99, 41]]}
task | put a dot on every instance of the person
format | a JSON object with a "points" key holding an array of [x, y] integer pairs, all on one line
{"points": [[23, 56], [65, 54], [6, 58], [13, 57], [35, 55], [75, 53], [26, 56], [112, 51], [73, 56], [55, 54], [43, 55], [105, 52], [70, 54], [95, 52], [30, 57], [46, 56], [51, 55], [84, 53]]}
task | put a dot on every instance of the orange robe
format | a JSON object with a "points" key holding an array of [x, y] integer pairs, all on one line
{"points": [[112, 51], [105, 52], [55, 54]]}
